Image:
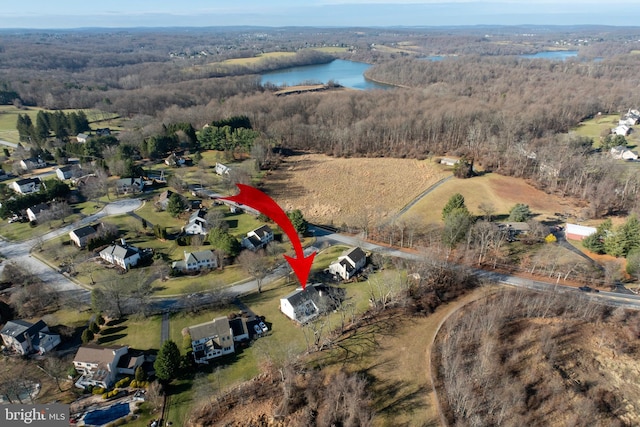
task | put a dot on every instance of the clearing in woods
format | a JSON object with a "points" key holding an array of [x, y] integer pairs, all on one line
{"points": [[502, 192], [333, 190]]}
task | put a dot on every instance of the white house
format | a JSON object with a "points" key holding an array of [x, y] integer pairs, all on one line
{"points": [[197, 223], [26, 186], [239, 329], [303, 305], [98, 365], [123, 255], [221, 169], [349, 263], [25, 338], [32, 163], [82, 137], [211, 339], [34, 213], [258, 238], [623, 130], [129, 185], [194, 261], [80, 236], [623, 153], [578, 232], [64, 172]]}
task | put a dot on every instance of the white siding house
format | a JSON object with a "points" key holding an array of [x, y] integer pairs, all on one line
{"points": [[195, 261], [211, 339], [98, 365], [124, 256], [349, 263]]}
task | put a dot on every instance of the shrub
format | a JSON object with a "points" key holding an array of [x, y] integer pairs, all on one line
{"points": [[123, 382], [97, 390]]}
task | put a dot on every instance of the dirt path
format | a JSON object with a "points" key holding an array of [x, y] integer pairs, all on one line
{"points": [[432, 325]]}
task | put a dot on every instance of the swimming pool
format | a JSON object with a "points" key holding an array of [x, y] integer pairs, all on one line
{"points": [[103, 416]]}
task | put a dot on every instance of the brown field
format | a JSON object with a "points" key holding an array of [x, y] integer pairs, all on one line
{"points": [[339, 190], [501, 191]]}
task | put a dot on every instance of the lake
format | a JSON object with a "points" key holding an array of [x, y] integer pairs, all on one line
{"points": [[552, 54], [346, 73]]}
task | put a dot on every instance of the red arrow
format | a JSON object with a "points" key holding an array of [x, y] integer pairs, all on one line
{"points": [[261, 202]]}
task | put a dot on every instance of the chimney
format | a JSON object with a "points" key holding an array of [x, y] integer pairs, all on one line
{"points": [[124, 243]]}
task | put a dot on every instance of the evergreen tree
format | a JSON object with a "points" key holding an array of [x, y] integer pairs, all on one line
{"points": [[176, 205], [595, 241], [520, 213], [140, 375], [87, 336], [456, 225], [167, 363], [298, 221], [455, 202], [625, 238], [220, 239]]}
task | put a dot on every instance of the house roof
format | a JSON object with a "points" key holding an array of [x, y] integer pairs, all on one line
{"points": [[18, 328], [65, 168], [238, 326], [120, 252], [39, 208], [217, 327], [27, 181], [130, 360], [300, 296], [198, 216], [96, 354], [263, 231], [198, 256], [356, 255], [85, 231], [579, 230]]}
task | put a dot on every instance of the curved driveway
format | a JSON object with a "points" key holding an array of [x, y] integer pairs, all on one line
{"points": [[19, 252]]}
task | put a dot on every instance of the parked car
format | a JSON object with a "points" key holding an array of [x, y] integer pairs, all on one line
{"points": [[588, 289], [263, 327], [258, 329]]}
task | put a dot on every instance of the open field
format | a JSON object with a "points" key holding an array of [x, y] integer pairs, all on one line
{"points": [[501, 191], [338, 190], [9, 119]]}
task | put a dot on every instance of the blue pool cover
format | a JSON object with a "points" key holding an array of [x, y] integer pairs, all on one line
{"points": [[104, 416]]}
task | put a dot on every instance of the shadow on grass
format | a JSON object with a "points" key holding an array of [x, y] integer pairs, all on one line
{"points": [[110, 338], [112, 330], [116, 322]]}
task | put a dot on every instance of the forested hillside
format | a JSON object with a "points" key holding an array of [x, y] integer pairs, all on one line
{"points": [[507, 113]]}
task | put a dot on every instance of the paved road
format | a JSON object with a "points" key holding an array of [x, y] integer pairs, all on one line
{"points": [[20, 252], [8, 144]]}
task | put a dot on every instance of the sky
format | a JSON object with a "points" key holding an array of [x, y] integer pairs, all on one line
{"points": [[59, 14]]}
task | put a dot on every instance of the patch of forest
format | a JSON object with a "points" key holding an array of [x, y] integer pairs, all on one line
{"points": [[520, 358]]}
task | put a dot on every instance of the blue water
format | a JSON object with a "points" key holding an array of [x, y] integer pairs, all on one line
{"points": [[433, 58], [104, 416], [553, 54], [346, 73]]}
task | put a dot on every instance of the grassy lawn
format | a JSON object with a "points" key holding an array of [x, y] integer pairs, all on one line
{"points": [[217, 279], [503, 193], [23, 230], [9, 119], [67, 317], [138, 333]]}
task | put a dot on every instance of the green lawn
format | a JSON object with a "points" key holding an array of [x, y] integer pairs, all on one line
{"points": [[141, 334], [9, 119]]}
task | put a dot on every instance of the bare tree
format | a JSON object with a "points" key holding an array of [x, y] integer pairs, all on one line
{"points": [[256, 264]]}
